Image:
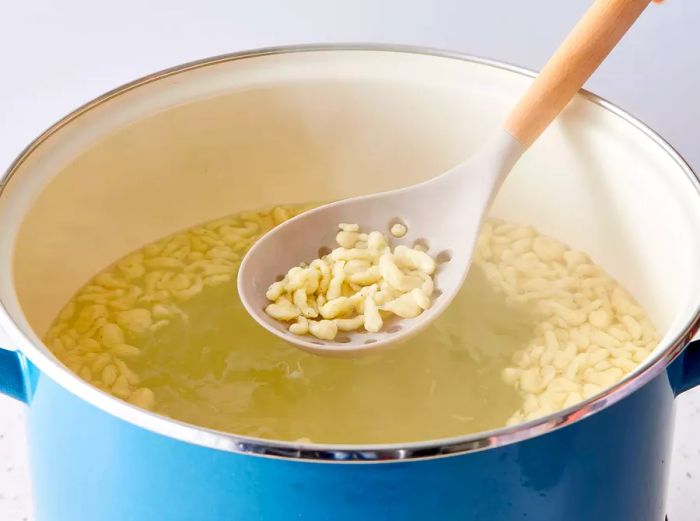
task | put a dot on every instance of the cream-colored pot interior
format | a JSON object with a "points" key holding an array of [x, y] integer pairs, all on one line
{"points": [[318, 125]]}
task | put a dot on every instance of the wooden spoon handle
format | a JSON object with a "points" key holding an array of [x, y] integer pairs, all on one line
{"points": [[583, 50]]}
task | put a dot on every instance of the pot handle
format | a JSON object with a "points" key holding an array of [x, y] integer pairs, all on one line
{"points": [[14, 373], [689, 368]]}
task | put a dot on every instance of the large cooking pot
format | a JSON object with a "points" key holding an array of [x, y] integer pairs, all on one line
{"points": [[319, 123]]}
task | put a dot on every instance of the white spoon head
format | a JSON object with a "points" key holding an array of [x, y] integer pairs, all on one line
{"points": [[312, 234]]}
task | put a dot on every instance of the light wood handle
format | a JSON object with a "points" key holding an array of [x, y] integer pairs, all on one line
{"points": [[583, 50]]}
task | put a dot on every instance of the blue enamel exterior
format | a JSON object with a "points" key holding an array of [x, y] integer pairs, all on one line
{"points": [[89, 465], [13, 381], [690, 367]]}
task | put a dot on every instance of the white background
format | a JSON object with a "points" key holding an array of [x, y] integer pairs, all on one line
{"points": [[55, 55]]}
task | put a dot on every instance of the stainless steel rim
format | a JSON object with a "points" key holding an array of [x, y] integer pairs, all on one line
{"points": [[43, 359]]}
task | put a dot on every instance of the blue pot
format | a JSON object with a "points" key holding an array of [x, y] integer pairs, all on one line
{"points": [[62, 205]]}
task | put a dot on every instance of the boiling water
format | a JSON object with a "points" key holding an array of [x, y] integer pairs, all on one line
{"points": [[163, 328], [221, 370]]}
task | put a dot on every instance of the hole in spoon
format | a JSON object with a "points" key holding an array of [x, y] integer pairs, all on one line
{"points": [[396, 220], [397, 227], [436, 294], [394, 329], [342, 339], [421, 244], [370, 341], [443, 257]]}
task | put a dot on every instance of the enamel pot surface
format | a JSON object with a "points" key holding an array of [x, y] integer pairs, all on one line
{"points": [[320, 123]]}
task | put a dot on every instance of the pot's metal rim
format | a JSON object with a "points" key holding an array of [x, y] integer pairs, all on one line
{"points": [[48, 364]]}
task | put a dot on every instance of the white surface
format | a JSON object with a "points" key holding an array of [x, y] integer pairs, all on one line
{"points": [[57, 55]]}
